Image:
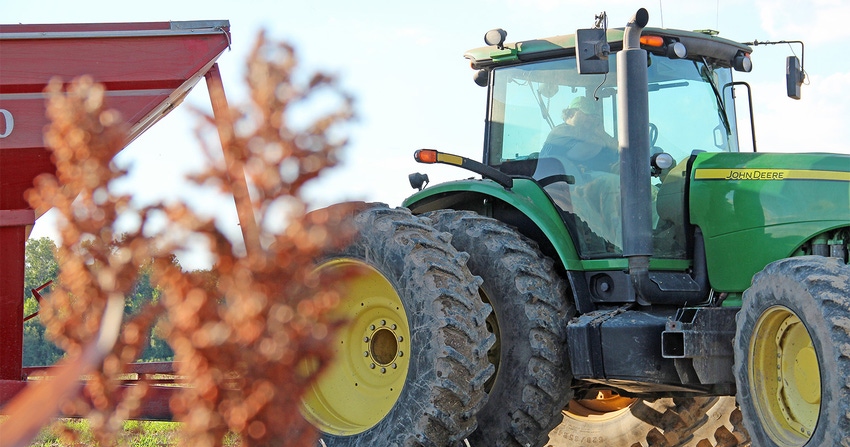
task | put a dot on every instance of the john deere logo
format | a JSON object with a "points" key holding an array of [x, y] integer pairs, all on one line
{"points": [[755, 174], [770, 174]]}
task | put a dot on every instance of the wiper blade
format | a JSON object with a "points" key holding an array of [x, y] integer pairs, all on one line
{"points": [[544, 110], [722, 108], [656, 86]]}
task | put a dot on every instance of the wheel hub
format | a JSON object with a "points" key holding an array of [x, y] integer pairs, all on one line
{"points": [[382, 346]]}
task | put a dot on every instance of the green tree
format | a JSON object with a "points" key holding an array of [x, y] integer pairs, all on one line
{"points": [[40, 267], [143, 293], [40, 264]]}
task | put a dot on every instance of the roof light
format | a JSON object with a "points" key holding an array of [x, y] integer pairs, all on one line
{"points": [[676, 50], [496, 37], [481, 77], [742, 62], [652, 41]]}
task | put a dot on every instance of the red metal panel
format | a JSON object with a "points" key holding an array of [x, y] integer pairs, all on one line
{"points": [[30, 118], [18, 168], [84, 27], [16, 218], [154, 407], [147, 68], [121, 63], [11, 301], [8, 390]]}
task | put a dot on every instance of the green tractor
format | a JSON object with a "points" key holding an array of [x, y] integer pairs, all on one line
{"points": [[620, 275]]}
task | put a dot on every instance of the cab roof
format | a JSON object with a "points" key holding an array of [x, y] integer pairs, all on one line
{"points": [[698, 44]]}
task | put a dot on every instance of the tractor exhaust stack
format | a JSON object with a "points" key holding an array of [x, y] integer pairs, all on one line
{"points": [[633, 108]]}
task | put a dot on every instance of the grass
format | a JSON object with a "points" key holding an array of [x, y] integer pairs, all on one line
{"points": [[136, 434]]}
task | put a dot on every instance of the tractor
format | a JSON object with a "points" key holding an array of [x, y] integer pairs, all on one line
{"points": [[639, 280]]}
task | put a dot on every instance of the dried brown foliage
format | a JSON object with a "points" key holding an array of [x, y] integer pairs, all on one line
{"points": [[250, 337]]}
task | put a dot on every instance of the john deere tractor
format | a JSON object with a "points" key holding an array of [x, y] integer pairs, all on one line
{"points": [[620, 274]]}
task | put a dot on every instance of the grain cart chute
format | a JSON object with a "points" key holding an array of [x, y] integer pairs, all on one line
{"points": [[637, 272]]}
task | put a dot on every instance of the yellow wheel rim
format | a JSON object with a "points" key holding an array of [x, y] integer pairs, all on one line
{"points": [[365, 380], [603, 406], [784, 377]]}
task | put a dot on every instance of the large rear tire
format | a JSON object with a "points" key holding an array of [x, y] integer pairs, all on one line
{"points": [[610, 419], [530, 311], [411, 362], [792, 354]]}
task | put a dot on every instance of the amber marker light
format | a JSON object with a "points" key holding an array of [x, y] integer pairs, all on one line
{"points": [[425, 156], [652, 41]]}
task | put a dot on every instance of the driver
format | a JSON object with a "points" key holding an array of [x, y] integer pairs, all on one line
{"points": [[582, 142], [581, 139]]}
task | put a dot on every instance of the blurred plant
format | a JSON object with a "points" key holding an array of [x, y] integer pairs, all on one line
{"points": [[250, 336], [246, 338]]}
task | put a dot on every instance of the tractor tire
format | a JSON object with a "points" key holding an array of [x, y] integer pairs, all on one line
{"points": [[411, 359], [614, 420], [530, 310], [792, 353]]}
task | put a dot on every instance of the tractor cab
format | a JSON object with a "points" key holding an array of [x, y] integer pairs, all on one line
{"points": [[547, 118]]}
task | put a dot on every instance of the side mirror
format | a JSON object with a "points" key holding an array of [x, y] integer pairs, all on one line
{"points": [[793, 76], [592, 51]]}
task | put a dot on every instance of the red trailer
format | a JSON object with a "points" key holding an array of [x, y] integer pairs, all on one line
{"points": [[147, 70]]}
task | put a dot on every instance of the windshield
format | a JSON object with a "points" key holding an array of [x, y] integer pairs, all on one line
{"points": [[547, 116], [528, 100]]}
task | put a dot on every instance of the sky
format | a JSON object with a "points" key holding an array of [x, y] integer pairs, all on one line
{"points": [[403, 63]]}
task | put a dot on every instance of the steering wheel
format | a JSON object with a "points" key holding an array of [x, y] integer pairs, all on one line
{"points": [[548, 180], [653, 134]]}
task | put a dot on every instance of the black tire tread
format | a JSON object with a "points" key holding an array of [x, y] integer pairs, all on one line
{"points": [[827, 282], [522, 416], [454, 382]]}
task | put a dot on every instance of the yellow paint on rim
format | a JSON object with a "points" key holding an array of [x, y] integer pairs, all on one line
{"points": [[366, 378], [784, 376]]}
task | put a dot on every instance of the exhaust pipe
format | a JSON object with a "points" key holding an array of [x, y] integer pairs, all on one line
{"points": [[636, 199], [635, 179]]}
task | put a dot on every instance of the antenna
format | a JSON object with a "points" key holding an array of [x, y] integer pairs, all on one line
{"points": [[661, 10], [717, 15]]}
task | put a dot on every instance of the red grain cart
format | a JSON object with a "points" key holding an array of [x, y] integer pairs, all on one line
{"points": [[147, 69]]}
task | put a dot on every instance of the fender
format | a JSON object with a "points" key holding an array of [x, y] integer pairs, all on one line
{"points": [[525, 196]]}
